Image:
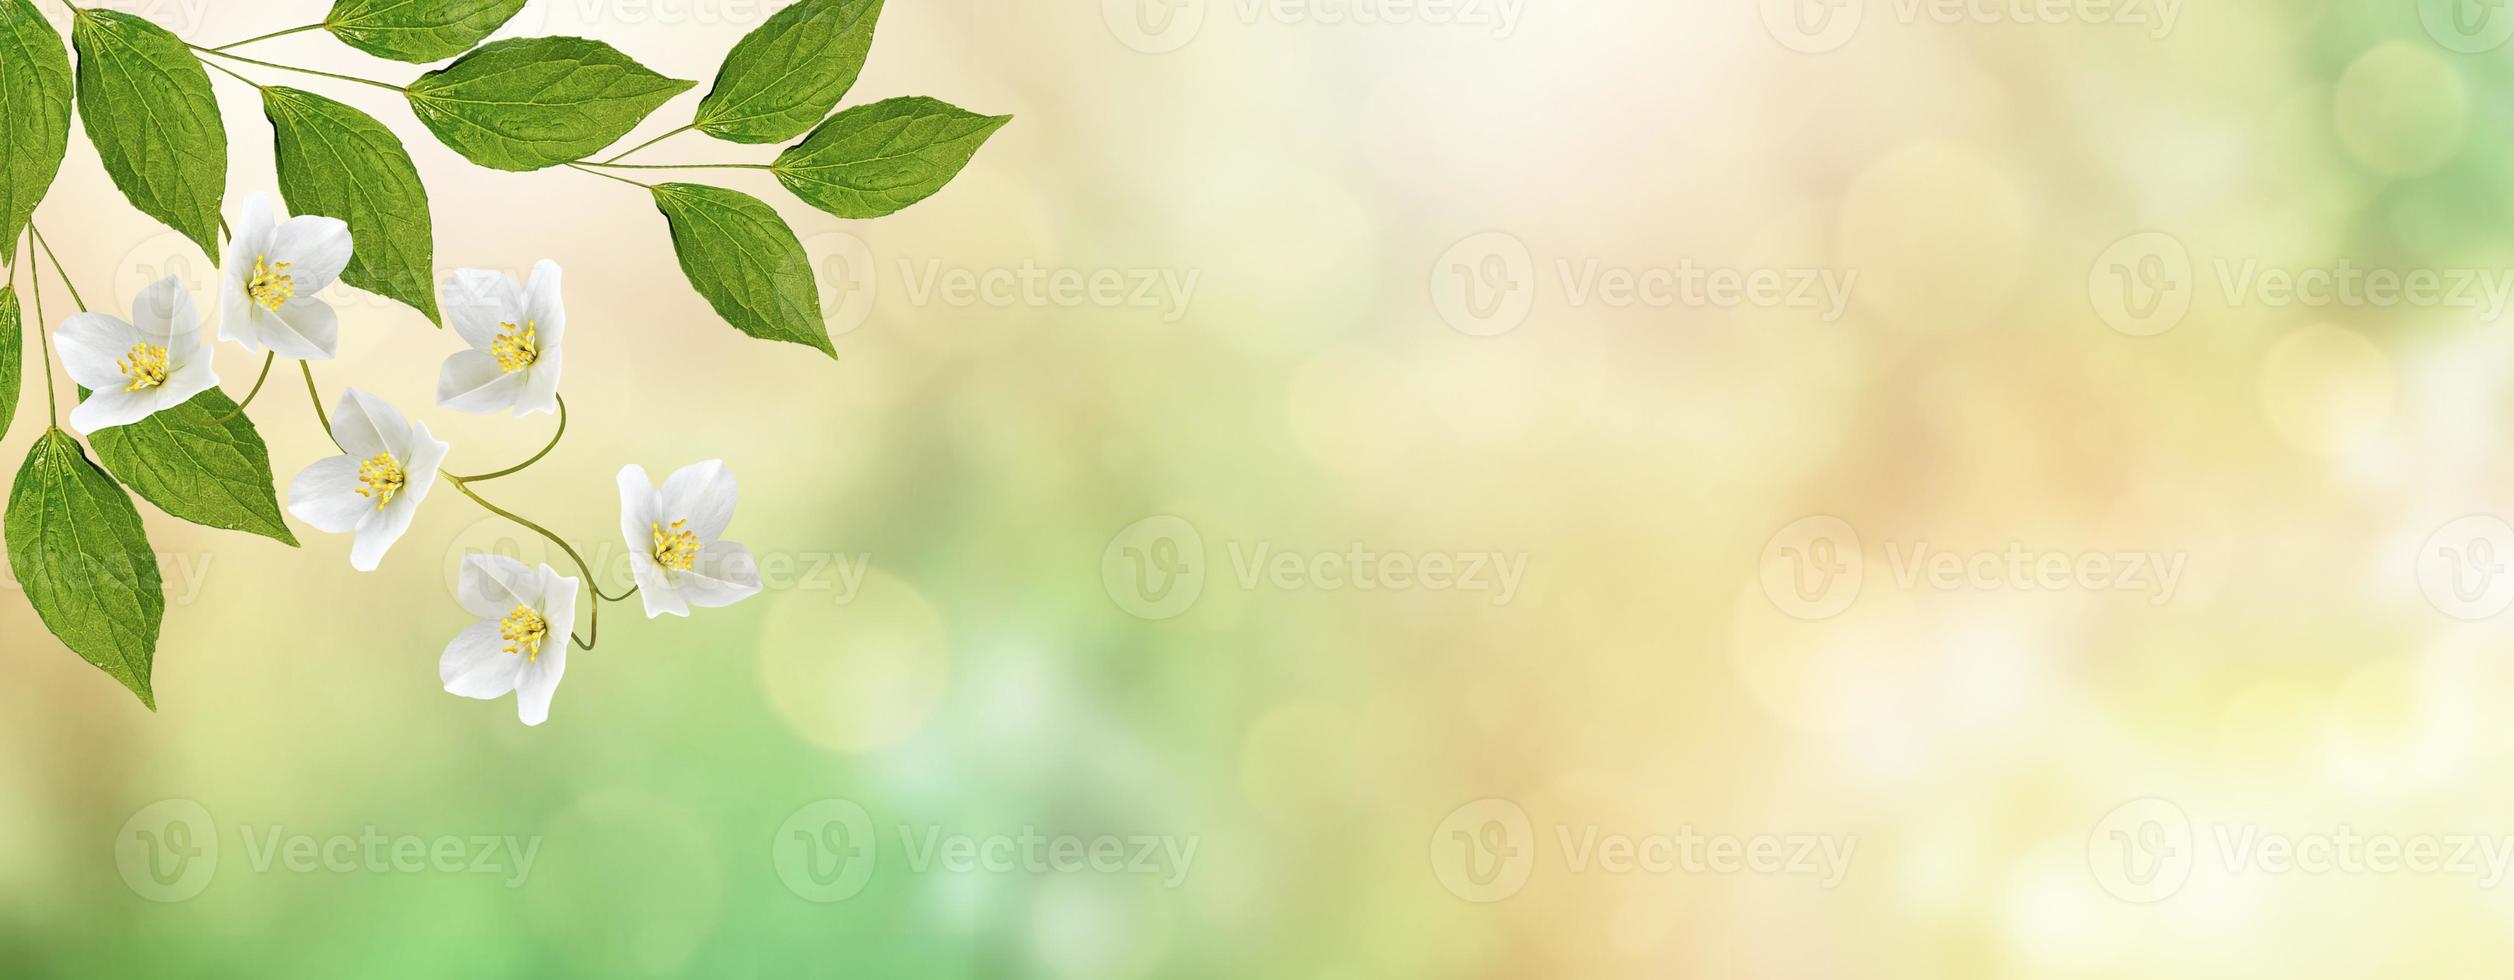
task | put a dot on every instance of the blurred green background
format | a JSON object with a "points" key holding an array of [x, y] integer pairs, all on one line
{"points": [[1358, 307]]}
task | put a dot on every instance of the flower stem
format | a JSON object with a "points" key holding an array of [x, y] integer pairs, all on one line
{"points": [[624, 154], [316, 397], [616, 177], [35, 284], [56, 266], [595, 629], [537, 457], [387, 86], [267, 361], [273, 34], [682, 166]]}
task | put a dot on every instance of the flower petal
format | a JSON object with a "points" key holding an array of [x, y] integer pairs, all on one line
{"points": [[163, 313], [326, 495], [106, 408], [471, 381], [637, 509], [92, 348], [493, 585], [378, 532], [702, 494], [545, 307], [540, 393], [365, 425], [303, 329], [315, 248], [539, 681], [478, 302], [656, 587], [558, 597], [476, 665], [725, 574]]}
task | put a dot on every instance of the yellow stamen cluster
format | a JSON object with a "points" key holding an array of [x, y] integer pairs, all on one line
{"points": [[270, 285], [383, 478], [146, 367], [517, 347], [524, 630], [676, 549]]}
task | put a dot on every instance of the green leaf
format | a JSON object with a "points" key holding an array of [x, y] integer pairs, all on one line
{"points": [[417, 32], [196, 468], [535, 102], [150, 113], [873, 160], [77, 547], [339, 162], [788, 74], [12, 354], [34, 116], [748, 264]]}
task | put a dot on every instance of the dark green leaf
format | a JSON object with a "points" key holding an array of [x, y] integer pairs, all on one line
{"points": [[339, 162], [12, 355], [872, 160], [192, 466], [748, 264], [77, 547], [788, 74], [149, 111], [418, 32], [34, 116], [530, 103]]}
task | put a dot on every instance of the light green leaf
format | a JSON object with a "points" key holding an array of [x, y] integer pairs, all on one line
{"points": [[192, 467], [535, 102], [34, 116], [873, 160], [748, 264], [788, 74], [150, 113], [77, 547], [418, 31], [339, 162], [12, 355]]}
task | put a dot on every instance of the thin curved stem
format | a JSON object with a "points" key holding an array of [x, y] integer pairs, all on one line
{"points": [[387, 86], [222, 69], [537, 457], [597, 173], [273, 34], [594, 630], [267, 361], [624, 154], [682, 166], [35, 286], [56, 266], [316, 396]]}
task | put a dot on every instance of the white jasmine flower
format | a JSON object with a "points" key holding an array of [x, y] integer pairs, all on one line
{"points": [[136, 369], [375, 489], [675, 540], [515, 334], [520, 643], [272, 272]]}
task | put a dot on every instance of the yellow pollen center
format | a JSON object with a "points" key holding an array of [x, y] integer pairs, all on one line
{"points": [[523, 630], [677, 548], [517, 347], [146, 367], [271, 285], [383, 478]]}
